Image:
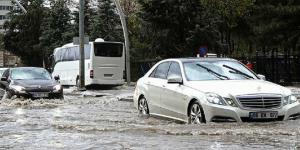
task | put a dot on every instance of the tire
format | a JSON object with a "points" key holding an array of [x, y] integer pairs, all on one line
{"points": [[143, 107], [196, 114]]}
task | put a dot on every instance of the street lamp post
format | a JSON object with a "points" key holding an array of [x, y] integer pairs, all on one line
{"points": [[125, 32]]}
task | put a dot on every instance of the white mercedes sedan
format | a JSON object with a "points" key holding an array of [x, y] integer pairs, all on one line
{"points": [[200, 90]]}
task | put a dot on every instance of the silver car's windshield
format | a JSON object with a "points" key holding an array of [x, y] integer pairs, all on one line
{"points": [[30, 74], [231, 70]]}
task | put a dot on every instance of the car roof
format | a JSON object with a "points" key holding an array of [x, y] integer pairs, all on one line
{"points": [[201, 59]]}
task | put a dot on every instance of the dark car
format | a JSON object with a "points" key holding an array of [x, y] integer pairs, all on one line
{"points": [[30, 82]]}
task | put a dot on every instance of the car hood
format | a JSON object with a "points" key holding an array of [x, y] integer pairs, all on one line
{"points": [[34, 83], [238, 87]]}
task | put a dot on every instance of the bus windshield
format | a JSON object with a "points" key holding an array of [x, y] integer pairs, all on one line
{"points": [[105, 49]]}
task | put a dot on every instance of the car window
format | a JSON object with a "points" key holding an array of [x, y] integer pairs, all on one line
{"points": [[162, 70], [153, 73], [174, 69]]}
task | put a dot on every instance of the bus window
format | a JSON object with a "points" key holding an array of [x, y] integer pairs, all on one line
{"points": [[71, 53], [108, 49]]}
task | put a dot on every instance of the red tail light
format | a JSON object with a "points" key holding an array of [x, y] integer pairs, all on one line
{"points": [[91, 74]]}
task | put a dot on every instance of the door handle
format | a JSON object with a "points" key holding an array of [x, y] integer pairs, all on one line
{"points": [[163, 86]]}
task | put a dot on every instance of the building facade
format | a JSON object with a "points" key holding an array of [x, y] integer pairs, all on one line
{"points": [[5, 7]]}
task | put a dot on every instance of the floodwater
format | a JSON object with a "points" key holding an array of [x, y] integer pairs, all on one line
{"points": [[107, 120]]}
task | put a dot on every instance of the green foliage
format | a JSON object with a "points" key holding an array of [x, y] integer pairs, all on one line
{"points": [[180, 27], [89, 13], [23, 32], [138, 36], [158, 28], [106, 23], [56, 27], [276, 22]]}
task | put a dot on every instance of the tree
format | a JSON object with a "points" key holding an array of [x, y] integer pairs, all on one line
{"points": [[180, 27], [106, 23], [56, 27], [89, 13], [23, 32], [276, 23]]}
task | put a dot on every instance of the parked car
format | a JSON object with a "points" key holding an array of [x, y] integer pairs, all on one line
{"points": [[212, 89], [30, 82]]}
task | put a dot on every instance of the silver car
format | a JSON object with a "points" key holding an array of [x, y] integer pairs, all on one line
{"points": [[203, 90]]}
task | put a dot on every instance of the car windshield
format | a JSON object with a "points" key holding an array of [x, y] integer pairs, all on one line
{"points": [[216, 70], [30, 74]]}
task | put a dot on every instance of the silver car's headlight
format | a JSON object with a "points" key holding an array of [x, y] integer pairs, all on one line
{"points": [[57, 87], [17, 88], [214, 99], [289, 99]]}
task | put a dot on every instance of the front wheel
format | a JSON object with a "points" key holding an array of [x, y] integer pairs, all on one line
{"points": [[143, 107], [196, 114]]}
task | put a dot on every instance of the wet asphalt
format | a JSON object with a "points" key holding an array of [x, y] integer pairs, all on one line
{"points": [[106, 119]]}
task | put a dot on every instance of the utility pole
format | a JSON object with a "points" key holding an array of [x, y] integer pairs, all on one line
{"points": [[125, 32], [81, 46]]}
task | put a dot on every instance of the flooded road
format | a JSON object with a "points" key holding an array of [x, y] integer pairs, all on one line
{"points": [[108, 120]]}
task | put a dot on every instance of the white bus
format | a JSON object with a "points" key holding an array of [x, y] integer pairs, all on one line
{"points": [[104, 63]]}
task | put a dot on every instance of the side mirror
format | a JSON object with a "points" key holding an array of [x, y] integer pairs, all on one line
{"points": [[56, 78], [3, 79], [261, 77], [174, 79]]}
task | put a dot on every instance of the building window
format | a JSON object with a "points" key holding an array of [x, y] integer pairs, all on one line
{"points": [[8, 8], [2, 17]]}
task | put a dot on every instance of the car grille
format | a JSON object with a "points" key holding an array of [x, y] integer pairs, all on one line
{"points": [[260, 101], [39, 89]]}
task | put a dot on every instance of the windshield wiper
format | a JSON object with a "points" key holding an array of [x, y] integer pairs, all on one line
{"points": [[238, 72], [213, 72]]}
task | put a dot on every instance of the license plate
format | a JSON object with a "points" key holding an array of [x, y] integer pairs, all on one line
{"points": [[38, 95], [263, 115]]}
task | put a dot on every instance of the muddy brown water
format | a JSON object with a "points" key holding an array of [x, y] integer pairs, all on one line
{"points": [[105, 122]]}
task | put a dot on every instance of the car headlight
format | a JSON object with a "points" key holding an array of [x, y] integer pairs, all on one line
{"points": [[289, 99], [214, 99], [57, 87], [17, 88]]}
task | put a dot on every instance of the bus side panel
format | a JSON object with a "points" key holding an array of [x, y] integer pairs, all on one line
{"points": [[67, 71]]}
